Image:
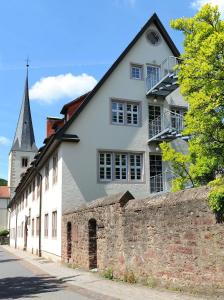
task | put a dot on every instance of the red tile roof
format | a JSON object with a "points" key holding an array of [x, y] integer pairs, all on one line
{"points": [[4, 192]]}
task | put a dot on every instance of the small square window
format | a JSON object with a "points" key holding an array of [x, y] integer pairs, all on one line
{"points": [[136, 72]]}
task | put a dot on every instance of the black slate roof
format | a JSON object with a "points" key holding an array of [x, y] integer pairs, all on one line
{"points": [[24, 139]]}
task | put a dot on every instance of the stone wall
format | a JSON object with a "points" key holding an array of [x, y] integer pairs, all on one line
{"points": [[171, 239]]}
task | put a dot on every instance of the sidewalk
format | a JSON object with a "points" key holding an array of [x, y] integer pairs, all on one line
{"points": [[96, 286]]}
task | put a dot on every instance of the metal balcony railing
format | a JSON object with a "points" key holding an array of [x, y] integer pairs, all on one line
{"points": [[168, 126], [163, 81], [162, 182]]}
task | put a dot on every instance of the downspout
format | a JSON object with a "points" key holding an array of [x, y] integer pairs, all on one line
{"points": [[16, 226], [40, 213], [9, 224]]}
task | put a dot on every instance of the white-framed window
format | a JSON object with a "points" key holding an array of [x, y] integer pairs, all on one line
{"points": [[136, 71], [120, 166], [46, 224], [125, 113], [24, 162], [55, 168], [153, 73], [105, 166], [54, 224], [132, 114], [47, 176], [135, 166], [117, 112], [33, 189]]}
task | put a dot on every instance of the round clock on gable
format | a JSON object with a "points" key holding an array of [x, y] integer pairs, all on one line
{"points": [[153, 37]]}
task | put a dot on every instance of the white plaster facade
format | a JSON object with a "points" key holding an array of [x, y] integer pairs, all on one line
{"points": [[78, 179], [3, 213]]}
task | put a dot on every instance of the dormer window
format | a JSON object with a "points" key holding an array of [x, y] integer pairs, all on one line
{"points": [[136, 71], [24, 162]]}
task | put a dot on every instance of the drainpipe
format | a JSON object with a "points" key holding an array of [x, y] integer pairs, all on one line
{"points": [[9, 223], [16, 226], [40, 213]]}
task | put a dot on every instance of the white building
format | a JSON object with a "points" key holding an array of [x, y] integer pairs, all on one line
{"points": [[107, 142], [4, 201]]}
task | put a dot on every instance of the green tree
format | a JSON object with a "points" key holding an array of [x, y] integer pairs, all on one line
{"points": [[3, 182], [201, 79]]}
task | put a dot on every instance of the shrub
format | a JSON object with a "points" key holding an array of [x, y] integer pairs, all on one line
{"points": [[109, 274], [129, 277], [216, 198], [4, 232]]}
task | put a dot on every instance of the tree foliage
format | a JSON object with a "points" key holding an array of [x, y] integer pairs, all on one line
{"points": [[3, 182], [201, 79]]}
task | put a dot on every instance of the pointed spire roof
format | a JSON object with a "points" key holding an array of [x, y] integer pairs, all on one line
{"points": [[24, 139]]}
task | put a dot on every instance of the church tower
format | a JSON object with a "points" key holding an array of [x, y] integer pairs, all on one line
{"points": [[23, 148]]}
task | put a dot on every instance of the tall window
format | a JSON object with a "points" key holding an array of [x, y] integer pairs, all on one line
{"points": [[32, 227], [33, 189], [37, 226], [26, 197], [47, 176], [121, 166], [46, 224], [22, 229], [156, 175], [54, 224], [125, 113], [105, 166], [38, 186], [136, 72], [24, 162], [117, 112], [55, 168], [153, 73], [116, 166], [135, 166], [155, 120]]}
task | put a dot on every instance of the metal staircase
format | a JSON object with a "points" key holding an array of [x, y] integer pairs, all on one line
{"points": [[162, 182], [166, 82], [166, 127]]}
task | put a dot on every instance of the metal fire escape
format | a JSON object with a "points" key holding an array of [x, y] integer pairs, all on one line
{"points": [[164, 82], [168, 124], [167, 127]]}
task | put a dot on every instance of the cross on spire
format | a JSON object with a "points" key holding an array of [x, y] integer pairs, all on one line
{"points": [[27, 62]]}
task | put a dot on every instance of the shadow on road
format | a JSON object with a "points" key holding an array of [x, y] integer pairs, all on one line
{"points": [[18, 287], [8, 260]]}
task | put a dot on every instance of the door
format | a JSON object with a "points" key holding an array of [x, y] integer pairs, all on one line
{"points": [[69, 241], [25, 233], [155, 120], [92, 244], [156, 173], [153, 75]]}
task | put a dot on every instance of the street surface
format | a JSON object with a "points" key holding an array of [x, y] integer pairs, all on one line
{"points": [[21, 280]]}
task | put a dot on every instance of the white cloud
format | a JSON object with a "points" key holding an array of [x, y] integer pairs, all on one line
{"points": [[4, 141], [199, 3], [52, 88], [125, 2]]}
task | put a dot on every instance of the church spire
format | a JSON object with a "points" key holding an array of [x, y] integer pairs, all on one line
{"points": [[24, 139]]}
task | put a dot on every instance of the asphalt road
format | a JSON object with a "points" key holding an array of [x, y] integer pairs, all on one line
{"points": [[21, 280]]}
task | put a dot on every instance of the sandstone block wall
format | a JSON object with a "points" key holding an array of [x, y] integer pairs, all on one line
{"points": [[172, 239]]}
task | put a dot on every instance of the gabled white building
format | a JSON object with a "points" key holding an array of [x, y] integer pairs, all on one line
{"points": [[107, 142]]}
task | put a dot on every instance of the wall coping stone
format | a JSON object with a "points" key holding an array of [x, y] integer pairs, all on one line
{"points": [[120, 198], [169, 199]]}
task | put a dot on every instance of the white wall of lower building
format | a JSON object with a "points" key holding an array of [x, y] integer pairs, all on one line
{"points": [[3, 214], [51, 201]]}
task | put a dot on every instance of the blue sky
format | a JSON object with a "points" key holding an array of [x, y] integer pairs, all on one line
{"points": [[70, 43]]}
